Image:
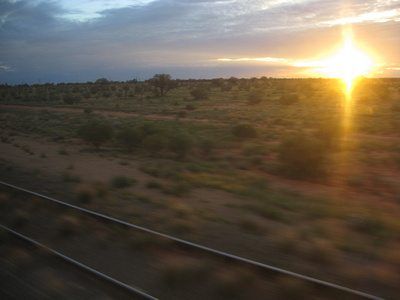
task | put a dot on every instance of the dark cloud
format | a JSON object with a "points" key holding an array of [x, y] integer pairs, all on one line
{"points": [[183, 37]]}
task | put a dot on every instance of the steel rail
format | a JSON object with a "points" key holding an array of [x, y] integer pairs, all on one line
{"points": [[68, 259], [201, 247]]}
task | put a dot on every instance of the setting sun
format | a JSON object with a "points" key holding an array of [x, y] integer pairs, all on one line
{"points": [[348, 63]]}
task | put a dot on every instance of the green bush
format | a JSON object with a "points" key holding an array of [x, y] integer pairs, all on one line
{"points": [[84, 196], [329, 132], [190, 107], [68, 177], [302, 156], [178, 189], [152, 184], [129, 137], [199, 93], [180, 143], [244, 131], [370, 225], [207, 146], [155, 142], [120, 182], [182, 114], [289, 99], [256, 96], [254, 149], [62, 152], [96, 132], [71, 99]]}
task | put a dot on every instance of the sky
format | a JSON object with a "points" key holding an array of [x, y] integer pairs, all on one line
{"points": [[77, 40]]}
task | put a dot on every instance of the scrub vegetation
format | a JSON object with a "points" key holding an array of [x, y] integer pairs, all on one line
{"points": [[272, 160]]}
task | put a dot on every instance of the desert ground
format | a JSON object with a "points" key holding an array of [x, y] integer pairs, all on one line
{"points": [[288, 172]]}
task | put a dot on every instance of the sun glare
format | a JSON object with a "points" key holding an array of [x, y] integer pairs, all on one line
{"points": [[348, 63]]}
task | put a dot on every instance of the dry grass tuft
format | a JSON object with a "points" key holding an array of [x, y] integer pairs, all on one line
{"points": [[178, 269], [68, 225], [85, 193], [231, 283]]}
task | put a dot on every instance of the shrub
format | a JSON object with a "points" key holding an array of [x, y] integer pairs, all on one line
{"points": [[96, 132], [148, 129], [21, 218], [180, 227], [370, 225], [190, 107], [244, 131], [100, 189], [329, 132], [181, 143], [155, 142], [232, 283], [199, 93], [291, 288], [207, 146], [71, 99], [102, 81], [62, 152], [254, 149], [152, 184], [177, 270], [182, 114], [68, 177], [5, 139], [256, 96], [177, 189], [226, 88], [129, 137], [68, 225], [396, 107], [251, 226], [120, 182], [302, 156], [289, 99], [85, 195]]}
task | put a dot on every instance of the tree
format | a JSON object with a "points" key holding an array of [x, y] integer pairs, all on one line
{"points": [[163, 83], [102, 81], [96, 132], [217, 82]]}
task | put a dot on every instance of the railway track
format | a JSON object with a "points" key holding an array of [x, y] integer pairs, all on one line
{"points": [[133, 291], [327, 288]]}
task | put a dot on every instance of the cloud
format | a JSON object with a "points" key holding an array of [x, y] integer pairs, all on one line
{"points": [[82, 11], [270, 60], [5, 68], [379, 16], [67, 39]]}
